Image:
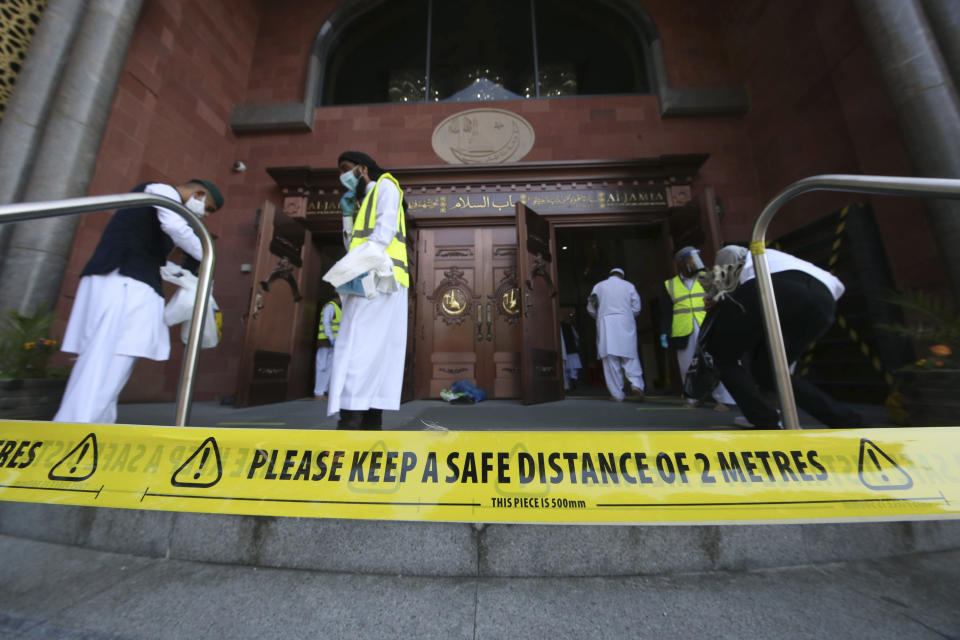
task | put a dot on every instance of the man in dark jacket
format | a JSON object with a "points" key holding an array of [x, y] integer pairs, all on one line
{"points": [[117, 315]]}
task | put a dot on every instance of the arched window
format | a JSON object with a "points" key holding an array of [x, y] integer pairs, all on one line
{"points": [[470, 50]]}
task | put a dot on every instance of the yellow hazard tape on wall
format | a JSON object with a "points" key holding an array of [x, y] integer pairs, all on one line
{"points": [[550, 477]]}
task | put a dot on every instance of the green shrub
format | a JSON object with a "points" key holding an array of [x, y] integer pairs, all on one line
{"points": [[26, 346], [933, 324]]}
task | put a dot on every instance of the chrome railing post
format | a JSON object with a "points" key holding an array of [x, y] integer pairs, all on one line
{"points": [[879, 185], [51, 209]]}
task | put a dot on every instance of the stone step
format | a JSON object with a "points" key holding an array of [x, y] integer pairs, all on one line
{"points": [[459, 549]]}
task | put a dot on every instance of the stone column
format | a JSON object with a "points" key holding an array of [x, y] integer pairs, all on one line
{"points": [[944, 19], [925, 104], [38, 250], [33, 95]]}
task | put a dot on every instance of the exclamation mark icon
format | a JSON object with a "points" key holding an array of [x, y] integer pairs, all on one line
{"points": [[873, 456], [203, 460], [79, 464], [879, 471], [83, 452], [198, 470]]}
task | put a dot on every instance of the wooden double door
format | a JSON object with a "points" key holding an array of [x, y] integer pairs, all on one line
{"points": [[468, 310], [486, 310]]}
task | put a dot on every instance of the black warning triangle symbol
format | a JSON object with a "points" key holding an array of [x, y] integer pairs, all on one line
{"points": [[79, 464], [202, 469], [382, 486], [878, 470]]}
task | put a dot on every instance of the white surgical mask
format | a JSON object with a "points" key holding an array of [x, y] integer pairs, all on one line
{"points": [[349, 180], [197, 206]]}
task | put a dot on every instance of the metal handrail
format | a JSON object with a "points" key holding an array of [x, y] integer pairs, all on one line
{"points": [[879, 185], [71, 206]]}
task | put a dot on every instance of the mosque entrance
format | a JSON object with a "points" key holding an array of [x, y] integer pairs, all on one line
{"points": [[468, 310], [484, 318], [499, 255], [487, 310], [585, 256]]}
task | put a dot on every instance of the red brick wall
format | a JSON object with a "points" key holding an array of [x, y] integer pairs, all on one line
{"points": [[282, 49], [816, 108], [187, 66]]}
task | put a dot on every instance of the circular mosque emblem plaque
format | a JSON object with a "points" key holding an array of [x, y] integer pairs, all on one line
{"points": [[510, 301], [483, 136], [454, 302]]}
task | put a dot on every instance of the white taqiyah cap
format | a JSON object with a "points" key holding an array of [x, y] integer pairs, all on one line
{"points": [[616, 270]]}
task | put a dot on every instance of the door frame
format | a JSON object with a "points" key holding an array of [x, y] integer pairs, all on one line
{"points": [[577, 193]]}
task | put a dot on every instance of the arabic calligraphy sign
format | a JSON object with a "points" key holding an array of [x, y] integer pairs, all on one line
{"points": [[504, 204], [584, 200]]}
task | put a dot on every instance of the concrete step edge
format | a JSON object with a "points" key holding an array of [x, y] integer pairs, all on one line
{"points": [[458, 549]]}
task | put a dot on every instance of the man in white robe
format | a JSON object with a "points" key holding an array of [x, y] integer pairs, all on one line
{"points": [[615, 304], [117, 315], [371, 349]]}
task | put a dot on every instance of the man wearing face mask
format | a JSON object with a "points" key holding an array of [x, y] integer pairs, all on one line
{"points": [[368, 361], [683, 311], [117, 315]]}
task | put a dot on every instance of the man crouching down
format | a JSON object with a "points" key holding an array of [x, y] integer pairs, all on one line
{"points": [[368, 358]]}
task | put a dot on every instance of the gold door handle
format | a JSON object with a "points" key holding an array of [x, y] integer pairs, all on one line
{"points": [[489, 322], [479, 322]]}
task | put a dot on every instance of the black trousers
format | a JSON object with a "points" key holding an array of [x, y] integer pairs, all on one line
{"points": [[369, 420], [737, 343]]}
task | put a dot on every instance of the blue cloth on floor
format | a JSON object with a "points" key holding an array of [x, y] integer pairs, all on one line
{"points": [[468, 390]]}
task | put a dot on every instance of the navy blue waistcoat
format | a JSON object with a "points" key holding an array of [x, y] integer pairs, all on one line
{"points": [[134, 243]]}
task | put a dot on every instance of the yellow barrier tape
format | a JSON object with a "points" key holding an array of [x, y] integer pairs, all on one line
{"points": [[549, 477], [758, 247]]}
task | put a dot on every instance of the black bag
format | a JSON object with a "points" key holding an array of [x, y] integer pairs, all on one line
{"points": [[702, 377]]}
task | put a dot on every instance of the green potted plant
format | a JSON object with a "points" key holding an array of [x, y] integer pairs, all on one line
{"points": [[30, 389], [925, 391]]}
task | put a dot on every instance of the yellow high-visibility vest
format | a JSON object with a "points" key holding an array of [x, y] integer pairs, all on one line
{"points": [[334, 324], [687, 305], [367, 218]]}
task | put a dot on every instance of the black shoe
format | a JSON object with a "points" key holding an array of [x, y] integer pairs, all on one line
{"points": [[350, 420], [372, 420]]}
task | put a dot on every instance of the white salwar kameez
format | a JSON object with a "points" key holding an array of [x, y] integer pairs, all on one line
{"points": [[324, 359], [619, 305], [371, 347], [685, 355], [323, 364], [571, 361], [116, 319]]}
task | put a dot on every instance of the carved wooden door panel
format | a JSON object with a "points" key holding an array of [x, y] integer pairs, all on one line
{"points": [[467, 316], [271, 349], [500, 352], [541, 368]]}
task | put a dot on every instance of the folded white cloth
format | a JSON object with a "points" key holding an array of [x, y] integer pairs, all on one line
{"points": [[363, 259]]}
